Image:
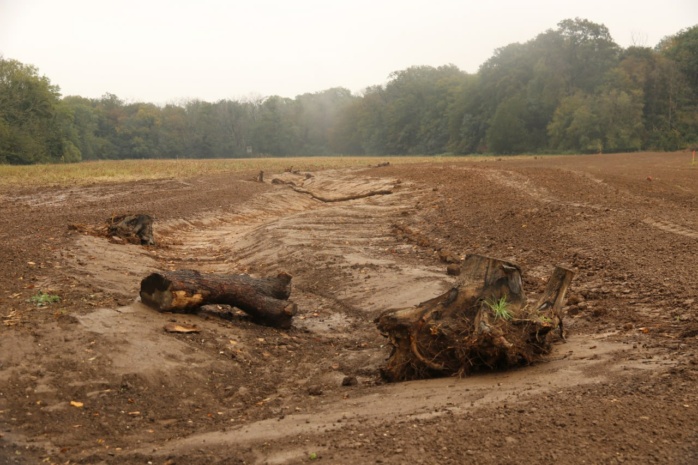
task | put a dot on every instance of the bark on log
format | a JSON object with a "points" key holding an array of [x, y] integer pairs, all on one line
{"points": [[482, 322], [184, 291]]}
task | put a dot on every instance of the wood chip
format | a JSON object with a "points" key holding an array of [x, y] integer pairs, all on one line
{"points": [[177, 328]]}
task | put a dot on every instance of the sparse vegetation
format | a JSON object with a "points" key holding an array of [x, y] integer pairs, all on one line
{"points": [[500, 308], [42, 299], [137, 170]]}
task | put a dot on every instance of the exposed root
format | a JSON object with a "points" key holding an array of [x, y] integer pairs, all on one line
{"points": [[324, 199], [462, 331]]}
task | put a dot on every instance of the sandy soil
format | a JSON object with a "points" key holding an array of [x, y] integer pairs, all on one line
{"points": [[622, 389]]}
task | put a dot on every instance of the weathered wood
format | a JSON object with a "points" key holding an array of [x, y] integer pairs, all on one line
{"points": [[137, 229], [552, 301], [482, 322], [184, 291]]}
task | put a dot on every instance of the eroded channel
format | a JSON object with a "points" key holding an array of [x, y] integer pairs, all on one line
{"points": [[347, 268]]}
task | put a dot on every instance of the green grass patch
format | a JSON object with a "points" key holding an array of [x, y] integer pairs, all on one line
{"points": [[500, 308], [42, 299]]}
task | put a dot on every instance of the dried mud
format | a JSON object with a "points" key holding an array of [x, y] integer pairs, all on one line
{"points": [[622, 389]]}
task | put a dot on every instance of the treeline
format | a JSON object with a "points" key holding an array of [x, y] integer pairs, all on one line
{"points": [[572, 89]]}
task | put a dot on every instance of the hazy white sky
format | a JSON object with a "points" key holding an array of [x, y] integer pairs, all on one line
{"points": [[168, 50]]}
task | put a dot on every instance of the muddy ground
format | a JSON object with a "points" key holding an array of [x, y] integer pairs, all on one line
{"points": [[95, 379]]}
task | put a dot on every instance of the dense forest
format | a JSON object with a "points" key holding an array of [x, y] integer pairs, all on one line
{"points": [[568, 90]]}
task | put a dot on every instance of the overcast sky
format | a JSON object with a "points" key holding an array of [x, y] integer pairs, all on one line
{"points": [[167, 50]]}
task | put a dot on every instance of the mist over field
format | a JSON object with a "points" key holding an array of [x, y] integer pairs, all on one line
{"points": [[571, 89]]}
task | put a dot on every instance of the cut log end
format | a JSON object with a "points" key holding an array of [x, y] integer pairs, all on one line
{"points": [[154, 292]]}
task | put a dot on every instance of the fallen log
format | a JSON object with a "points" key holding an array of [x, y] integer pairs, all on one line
{"points": [[184, 291], [483, 322]]}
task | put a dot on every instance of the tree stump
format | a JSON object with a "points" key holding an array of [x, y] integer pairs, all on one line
{"points": [[136, 229], [184, 291], [481, 323]]}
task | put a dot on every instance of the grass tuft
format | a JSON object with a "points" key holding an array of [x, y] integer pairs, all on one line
{"points": [[500, 308], [42, 299]]}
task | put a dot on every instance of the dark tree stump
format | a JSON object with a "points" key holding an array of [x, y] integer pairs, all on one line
{"points": [[136, 229], [184, 291], [481, 323]]}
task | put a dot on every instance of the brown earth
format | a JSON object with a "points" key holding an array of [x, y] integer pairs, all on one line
{"points": [[622, 389]]}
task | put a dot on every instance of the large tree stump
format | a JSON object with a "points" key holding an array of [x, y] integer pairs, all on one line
{"points": [[481, 323], [184, 291]]}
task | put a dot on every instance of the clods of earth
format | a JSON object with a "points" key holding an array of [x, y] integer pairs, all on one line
{"points": [[90, 375]]}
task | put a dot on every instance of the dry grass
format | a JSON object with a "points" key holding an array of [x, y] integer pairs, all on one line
{"points": [[133, 170]]}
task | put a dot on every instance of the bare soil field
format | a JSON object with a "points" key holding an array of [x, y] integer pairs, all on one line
{"points": [[94, 378]]}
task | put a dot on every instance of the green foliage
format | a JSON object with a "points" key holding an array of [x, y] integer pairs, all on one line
{"points": [[575, 125], [81, 121], [682, 48], [416, 109], [507, 132], [570, 89], [42, 299], [500, 308], [32, 128], [318, 116], [609, 121], [591, 51]]}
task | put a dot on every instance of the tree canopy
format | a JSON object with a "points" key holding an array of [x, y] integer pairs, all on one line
{"points": [[569, 89], [34, 127]]}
